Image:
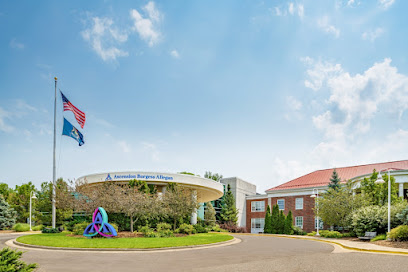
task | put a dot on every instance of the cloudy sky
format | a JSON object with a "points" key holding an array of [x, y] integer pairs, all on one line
{"points": [[263, 90]]}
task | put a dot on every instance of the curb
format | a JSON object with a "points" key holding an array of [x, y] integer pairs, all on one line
{"points": [[332, 242], [162, 249]]}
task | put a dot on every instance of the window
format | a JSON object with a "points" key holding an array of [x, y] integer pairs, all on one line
{"points": [[281, 204], [320, 223], [299, 203], [257, 206], [299, 221], [257, 223]]}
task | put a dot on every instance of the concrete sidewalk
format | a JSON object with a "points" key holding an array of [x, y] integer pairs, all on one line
{"points": [[347, 244]]}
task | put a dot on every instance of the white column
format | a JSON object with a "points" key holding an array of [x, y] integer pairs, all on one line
{"points": [[401, 190], [193, 218]]}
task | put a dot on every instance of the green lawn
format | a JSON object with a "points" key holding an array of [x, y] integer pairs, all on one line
{"points": [[62, 240]]}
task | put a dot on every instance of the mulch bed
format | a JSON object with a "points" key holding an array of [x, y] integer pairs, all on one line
{"points": [[392, 244]]}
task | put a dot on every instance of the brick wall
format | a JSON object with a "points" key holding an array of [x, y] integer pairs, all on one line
{"points": [[290, 204], [250, 214]]}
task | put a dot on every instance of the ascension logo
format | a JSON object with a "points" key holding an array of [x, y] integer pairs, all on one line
{"points": [[108, 177]]}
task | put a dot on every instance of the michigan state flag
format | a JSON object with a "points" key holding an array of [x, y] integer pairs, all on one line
{"points": [[71, 131]]}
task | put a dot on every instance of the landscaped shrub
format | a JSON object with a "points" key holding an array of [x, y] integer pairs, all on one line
{"points": [[39, 227], [186, 228], [313, 233], [163, 226], [375, 218], [217, 228], [403, 216], [21, 227], [9, 261], [231, 227], [51, 230], [330, 234], [145, 229], [166, 233], [399, 233], [79, 228], [298, 231], [200, 228], [347, 234], [378, 237]]}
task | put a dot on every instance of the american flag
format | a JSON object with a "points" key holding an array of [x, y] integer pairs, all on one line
{"points": [[79, 115]]}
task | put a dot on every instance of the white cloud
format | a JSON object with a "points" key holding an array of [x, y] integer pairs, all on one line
{"points": [[16, 45], [386, 3], [301, 11], [293, 103], [372, 35], [355, 99], [324, 24], [147, 27], [22, 105], [152, 150], [318, 72], [175, 54], [291, 8], [104, 38], [124, 146], [3, 125]]}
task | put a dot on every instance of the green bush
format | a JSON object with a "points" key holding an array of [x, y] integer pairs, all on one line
{"points": [[186, 228], [330, 234], [217, 228], [200, 228], [399, 233], [313, 233], [375, 218], [403, 216], [79, 228], [39, 227], [21, 227], [165, 233], [298, 231], [347, 234], [151, 234], [163, 226], [145, 229], [378, 237], [50, 230], [9, 261]]}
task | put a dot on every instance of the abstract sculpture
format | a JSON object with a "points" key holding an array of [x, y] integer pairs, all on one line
{"points": [[100, 225]]}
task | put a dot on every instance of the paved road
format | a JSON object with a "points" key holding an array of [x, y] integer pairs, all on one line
{"points": [[254, 253]]}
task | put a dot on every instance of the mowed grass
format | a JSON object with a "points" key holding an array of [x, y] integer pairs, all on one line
{"points": [[62, 240]]}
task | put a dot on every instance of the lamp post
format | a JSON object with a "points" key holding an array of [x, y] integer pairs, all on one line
{"points": [[316, 195], [32, 196], [380, 181]]}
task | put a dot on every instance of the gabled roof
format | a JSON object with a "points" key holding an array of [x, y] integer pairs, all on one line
{"points": [[322, 177]]}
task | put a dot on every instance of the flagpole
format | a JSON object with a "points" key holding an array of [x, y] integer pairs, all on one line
{"points": [[53, 167]]}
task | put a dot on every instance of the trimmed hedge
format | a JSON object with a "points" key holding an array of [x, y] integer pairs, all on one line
{"points": [[399, 233], [20, 227]]}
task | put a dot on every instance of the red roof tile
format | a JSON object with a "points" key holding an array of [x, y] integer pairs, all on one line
{"points": [[322, 177]]}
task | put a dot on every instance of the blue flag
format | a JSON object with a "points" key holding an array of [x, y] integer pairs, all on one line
{"points": [[71, 131]]}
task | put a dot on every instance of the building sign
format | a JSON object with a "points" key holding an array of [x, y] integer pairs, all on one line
{"points": [[138, 176]]}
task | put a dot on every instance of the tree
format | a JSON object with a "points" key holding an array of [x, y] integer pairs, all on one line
{"points": [[281, 222], [209, 215], [335, 181], [213, 176], [377, 194], [178, 202], [268, 221], [20, 201], [275, 219], [229, 213], [7, 214], [335, 207], [288, 224], [5, 190]]}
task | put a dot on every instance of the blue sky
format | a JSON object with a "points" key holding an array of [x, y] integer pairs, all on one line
{"points": [[263, 90]]}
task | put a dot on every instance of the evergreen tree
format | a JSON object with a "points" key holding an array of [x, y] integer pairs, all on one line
{"points": [[275, 219], [288, 224], [229, 212], [7, 214], [335, 181], [268, 221], [209, 215], [281, 222]]}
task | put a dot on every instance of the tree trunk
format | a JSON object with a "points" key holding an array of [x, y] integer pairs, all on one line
{"points": [[131, 223], [175, 224]]}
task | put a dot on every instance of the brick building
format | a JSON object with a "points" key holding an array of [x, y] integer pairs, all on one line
{"points": [[295, 195]]}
